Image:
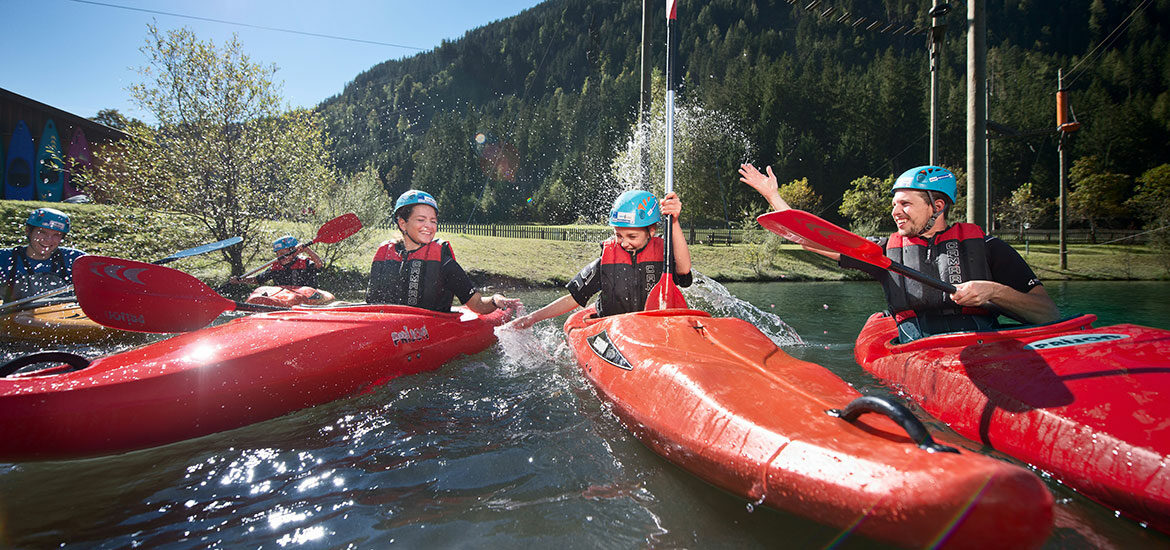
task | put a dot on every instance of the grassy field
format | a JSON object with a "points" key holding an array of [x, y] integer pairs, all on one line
{"points": [[537, 262], [530, 262]]}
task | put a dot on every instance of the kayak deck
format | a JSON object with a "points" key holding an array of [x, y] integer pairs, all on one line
{"points": [[62, 323], [289, 296], [1088, 405], [720, 399], [247, 370]]}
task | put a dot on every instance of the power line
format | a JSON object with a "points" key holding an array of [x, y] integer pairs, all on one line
{"points": [[1108, 40], [844, 17], [249, 25]]}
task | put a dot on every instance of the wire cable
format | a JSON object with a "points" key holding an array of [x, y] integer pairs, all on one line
{"points": [[1107, 41], [249, 25]]}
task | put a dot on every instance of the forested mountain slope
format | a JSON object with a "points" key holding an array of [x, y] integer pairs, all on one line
{"points": [[521, 119]]}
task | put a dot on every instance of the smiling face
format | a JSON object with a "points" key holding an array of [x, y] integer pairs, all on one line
{"points": [[420, 226], [912, 211], [633, 238], [43, 242]]}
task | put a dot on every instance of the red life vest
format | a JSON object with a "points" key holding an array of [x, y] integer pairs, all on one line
{"points": [[298, 272], [300, 263], [412, 279], [956, 255], [628, 277]]}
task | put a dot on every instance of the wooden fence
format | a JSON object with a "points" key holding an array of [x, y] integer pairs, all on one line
{"points": [[725, 237]]}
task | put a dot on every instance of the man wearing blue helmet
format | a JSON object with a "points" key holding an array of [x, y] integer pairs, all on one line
{"points": [[987, 273], [630, 263], [418, 269], [43, 264], [296, 265]]}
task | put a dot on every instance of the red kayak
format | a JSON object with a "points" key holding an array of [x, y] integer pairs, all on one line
{"points": [[247, 370], [1089, 405], [289, 296], [718, 398]]}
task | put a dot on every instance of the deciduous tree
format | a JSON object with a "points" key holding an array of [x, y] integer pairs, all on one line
{"points": [[223, 150]]}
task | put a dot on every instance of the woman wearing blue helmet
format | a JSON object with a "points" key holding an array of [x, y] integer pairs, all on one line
{"points": [[988, 274], [296, 265], [630, 263], [43, 264], [418, 269]]}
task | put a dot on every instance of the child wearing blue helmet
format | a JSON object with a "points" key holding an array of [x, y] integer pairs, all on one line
{"points": [[43, 264], [420, 270], [983, 269], [296, 265], [631, 261]]}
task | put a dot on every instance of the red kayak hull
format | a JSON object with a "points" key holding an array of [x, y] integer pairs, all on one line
{"points": [[218, 378], [1089, 405], [718, 398], [289, 296]]}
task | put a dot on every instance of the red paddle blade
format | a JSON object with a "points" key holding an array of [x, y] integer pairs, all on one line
{"points": [[801, 227], [665, 295], [338, 229], [142, 297]]}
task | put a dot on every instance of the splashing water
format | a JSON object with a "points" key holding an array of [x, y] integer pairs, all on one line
{"points": [[708, 295], [696, 128]]}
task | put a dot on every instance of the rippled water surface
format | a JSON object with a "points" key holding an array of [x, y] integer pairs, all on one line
{"points": [[506, 448]]}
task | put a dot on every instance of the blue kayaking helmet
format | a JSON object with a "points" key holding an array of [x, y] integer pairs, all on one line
{"points": [[49, 218], [287, 241], [634, 209], [413, 197], [928, 178]]}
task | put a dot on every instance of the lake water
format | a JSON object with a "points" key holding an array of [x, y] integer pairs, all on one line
{"points": [[507, 448]]}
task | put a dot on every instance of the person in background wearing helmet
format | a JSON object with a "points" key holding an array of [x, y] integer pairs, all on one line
{"points": [[419, 270], [296, 265], [630, 263], [43, 264], [988, 273]]}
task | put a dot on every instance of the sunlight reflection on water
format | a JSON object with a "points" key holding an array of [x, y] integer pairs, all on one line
{"points": [[506, 448]]}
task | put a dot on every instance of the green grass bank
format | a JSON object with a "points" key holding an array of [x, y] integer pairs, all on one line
{"points": [[500, 261]]}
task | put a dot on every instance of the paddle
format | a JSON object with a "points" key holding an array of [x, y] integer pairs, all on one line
{"points": [[665, 294], [803, 228], [335, 230], [142, 297], [194, 251]]}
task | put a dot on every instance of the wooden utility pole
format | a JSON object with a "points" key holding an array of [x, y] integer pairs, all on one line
{"points": [[644, 98], [937, 11], [987, 159], [1064, 126], [976, 111]]}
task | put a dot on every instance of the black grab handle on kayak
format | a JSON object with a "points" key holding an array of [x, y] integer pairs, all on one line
{"points": [[72, 359], [898, 413]]}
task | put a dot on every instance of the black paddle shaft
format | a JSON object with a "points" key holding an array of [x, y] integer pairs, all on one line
{"points": [[922, 278]]}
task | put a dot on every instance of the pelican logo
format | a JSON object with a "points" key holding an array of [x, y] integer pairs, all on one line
{"points": [[408, 335], [118, 272], [1073, 340], [604, 348], [122, 318]]}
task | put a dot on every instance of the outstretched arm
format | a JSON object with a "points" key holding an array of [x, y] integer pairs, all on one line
{"points": [[765, 185], [558, 307], [486, 304], [770, 190]]}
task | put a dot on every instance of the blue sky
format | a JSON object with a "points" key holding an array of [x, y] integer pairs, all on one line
{"points": [[80, 56]]}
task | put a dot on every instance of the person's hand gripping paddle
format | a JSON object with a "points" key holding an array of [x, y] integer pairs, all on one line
{"points": [[333, 231], [665, 294]]}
